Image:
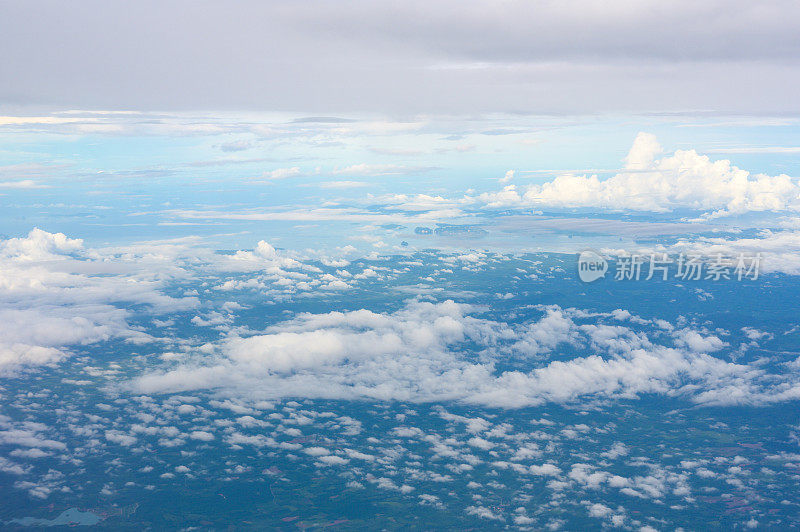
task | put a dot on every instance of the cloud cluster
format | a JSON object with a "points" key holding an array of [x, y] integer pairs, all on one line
{"points": [[54, 293], [684, 180], [440, 352]]}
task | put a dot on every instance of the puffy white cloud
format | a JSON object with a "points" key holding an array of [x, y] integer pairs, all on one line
{"points": [[54, 293], [120, 438], [39, 245], [599, 510], [201, 435], [420, 353], [27, 434], [332, 460], [480, 443], [545, 470], [697, 342], [683, 180], [617, 450], [317, 451], [16, 355], [643, 153], [483, 512]]}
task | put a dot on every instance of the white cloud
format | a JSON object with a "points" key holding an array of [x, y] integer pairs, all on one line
{"points": [[416, 354], [23, 183], [283, 173], [697, 342], [780, 249], [39, 245], [365, 169], [317, 451], [545, 470], [480, 443], [54, 293], [483, 512], [120, 438], [27, 434], [684, 180], [343, 184], [201, 435], [599, 510], [333, 460], [507, 177]]}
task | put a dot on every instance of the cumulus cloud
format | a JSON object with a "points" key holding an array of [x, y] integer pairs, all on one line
{"points": [[57, 295], [420, 353], [39, 245], [683, 180], [54, 293]]}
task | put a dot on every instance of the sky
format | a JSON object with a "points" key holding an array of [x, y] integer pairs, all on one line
{"points": [[403, 58], [371, 266]]}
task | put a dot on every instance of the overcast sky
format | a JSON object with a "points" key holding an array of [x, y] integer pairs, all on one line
{"points": [[403, 57]]}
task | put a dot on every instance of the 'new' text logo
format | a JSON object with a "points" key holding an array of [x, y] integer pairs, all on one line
{"points": [[591, 266]]}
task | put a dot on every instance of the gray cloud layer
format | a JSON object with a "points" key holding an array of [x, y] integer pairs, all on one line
{"points": [[580, 56]]}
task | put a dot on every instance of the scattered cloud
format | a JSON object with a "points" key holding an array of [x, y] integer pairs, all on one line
{"points": [[24, 183], [364, 169], [283, 173], [343, 184]]}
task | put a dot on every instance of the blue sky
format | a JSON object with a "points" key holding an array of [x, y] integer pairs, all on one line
{"points": [[123, 174]]}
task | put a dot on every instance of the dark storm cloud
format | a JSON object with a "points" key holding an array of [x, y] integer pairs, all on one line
{"points": [[403, 57]]}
